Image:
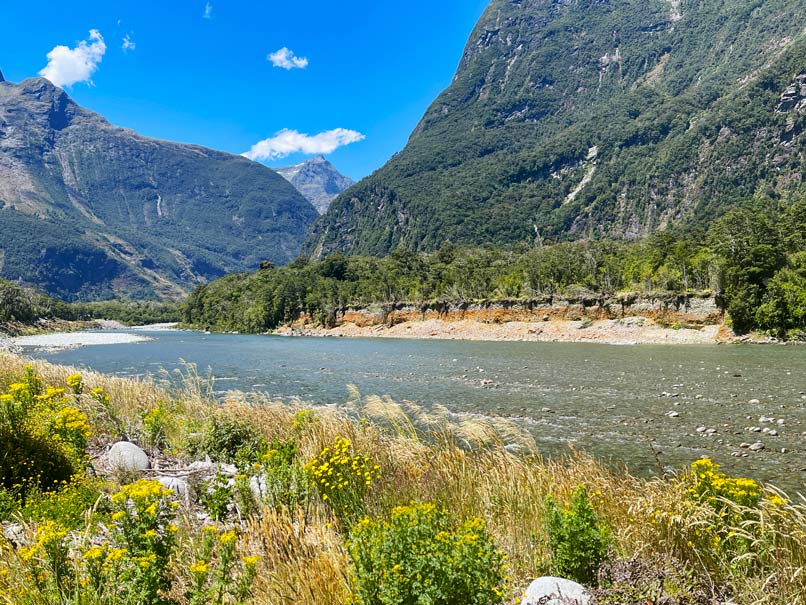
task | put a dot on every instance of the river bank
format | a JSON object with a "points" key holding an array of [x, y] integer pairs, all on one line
{"points": [[678, 541], [626, 319], [628, 331], [57, 335]]}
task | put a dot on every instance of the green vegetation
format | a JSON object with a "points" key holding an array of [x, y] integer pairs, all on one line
{"points": [[681, 113], [752, 259], [26, 306], [419, 556], [578, 538], [439, 522], [158, 219]]}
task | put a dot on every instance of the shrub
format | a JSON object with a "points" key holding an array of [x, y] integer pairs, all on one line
{"points": [[129, 564], [216, 497], [156, 425], [342, 478], [706, 483], [578, 539], [418, 556], [143, 519], [44, 436], [227, 439], [218, 575], [283, 481], [67, 504]]}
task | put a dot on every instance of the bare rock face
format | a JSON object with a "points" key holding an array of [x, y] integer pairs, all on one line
{"points": [[317, 180], [2, 79]]}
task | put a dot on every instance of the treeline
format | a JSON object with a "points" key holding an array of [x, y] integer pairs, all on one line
{"points": [[26, 306], [753, 259]]}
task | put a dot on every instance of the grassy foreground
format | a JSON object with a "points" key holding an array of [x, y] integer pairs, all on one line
{"points": [[373, 502]]}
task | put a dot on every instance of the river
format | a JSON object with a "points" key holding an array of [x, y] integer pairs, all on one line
{"points": [[688, 401]]}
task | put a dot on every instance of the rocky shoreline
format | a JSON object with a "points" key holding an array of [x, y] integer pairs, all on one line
{"points": [[627, 331]]}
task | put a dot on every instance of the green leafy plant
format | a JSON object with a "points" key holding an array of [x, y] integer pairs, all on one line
{"points": [[44, 436], [218, 575], [578, 538], [227, 439], [420, 556], [282, 480], [342, 476], [216, 497]]}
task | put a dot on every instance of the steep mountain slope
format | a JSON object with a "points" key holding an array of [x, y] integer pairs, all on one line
{"points": [[89, 210], [318, 180], [585, 118]]}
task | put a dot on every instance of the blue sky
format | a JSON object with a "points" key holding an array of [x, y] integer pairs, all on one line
{"points": [[199, 72]]}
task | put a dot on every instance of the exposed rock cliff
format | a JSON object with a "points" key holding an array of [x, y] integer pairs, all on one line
{"points": [[318, 180]]}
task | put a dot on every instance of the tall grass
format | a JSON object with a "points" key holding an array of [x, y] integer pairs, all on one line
{"points": [[468, 466]]}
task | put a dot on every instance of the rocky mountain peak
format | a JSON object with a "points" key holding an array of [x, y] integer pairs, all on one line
{"points": [[318, 180], [2, 79]]}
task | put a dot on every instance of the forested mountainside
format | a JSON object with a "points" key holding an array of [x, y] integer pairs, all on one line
{"points": [[89, 210], [578, 119]]}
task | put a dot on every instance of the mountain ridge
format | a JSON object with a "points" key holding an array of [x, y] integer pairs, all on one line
{"points": [[92, 210], [678, 100]]}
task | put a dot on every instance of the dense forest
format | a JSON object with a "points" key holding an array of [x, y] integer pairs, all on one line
{"points": [[752, 259]]}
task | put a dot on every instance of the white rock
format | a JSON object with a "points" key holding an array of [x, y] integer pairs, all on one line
{"points": [[754, 402], [126, 456], [201, 466], [757, 447], [180, 487], [258, 487], [555, 591]]}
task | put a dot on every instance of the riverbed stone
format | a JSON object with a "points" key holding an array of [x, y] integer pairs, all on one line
{"points": [[756, 447], [555, 591], [180, 486], [126, 456]]}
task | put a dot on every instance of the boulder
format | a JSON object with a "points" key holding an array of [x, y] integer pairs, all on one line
{"points": [[555, 591], [126, 456]]}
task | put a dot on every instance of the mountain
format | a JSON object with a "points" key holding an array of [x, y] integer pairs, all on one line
{"points": [[318, 180], [90, 210], [577, 119]]}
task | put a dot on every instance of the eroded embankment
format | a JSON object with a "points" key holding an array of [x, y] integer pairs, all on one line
{"points": [[623, 319]]}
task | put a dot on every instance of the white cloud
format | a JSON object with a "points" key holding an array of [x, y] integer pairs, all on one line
{"points": [[286, 142], [67, 66], [128, 43], [286, 59], [208, 11]]}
